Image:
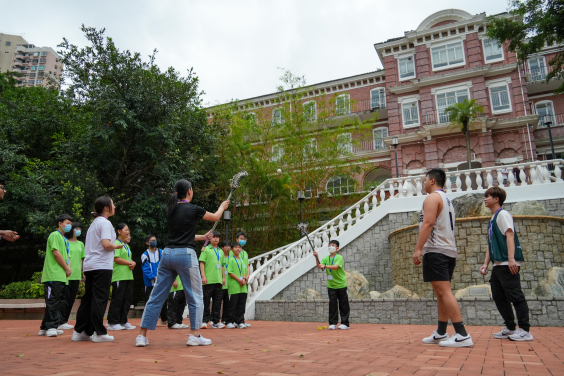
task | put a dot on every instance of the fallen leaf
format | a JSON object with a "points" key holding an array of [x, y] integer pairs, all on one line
{"points": [[265, 350], [328, 343], [19, 356], [336, 340], [383, 328], [248, 340], [409, 341], [282, 349], [48, 352], [27, 335], [166, 351], [252, 353], [220, 372], [324, 327], [320, 327], [302, 355], [156, 361], [293, 365], [531, 350], [230, 340]]}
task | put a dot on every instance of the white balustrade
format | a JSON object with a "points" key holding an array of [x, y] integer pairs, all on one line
{"points": [[468, 182], [458, 182], [557, 171], [489, 179], [479, 180]]}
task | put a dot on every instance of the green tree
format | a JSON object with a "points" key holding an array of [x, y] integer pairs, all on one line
{"points": [[462, 116], [534, 24]]}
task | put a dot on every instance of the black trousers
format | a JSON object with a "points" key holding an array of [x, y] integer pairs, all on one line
{"points": [[90, 315], [176, 306], [214, 292], [70, 298], [237, 303], [55, 304], [225, 312], [122, 293], [164, 310], [338, 303], [506, 289]]}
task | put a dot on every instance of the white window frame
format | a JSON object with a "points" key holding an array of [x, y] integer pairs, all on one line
{"points": [[452, 89], [486, 61], [493, 84], [404, 101], [448, 66], [306, 104], [312, 147], [399, 68], [544, 66], [379, 141], [277, 152], [541, 121], [279, 110], [338, 177], [382, 97], [347, 110], [347, 145], [38, 81]]}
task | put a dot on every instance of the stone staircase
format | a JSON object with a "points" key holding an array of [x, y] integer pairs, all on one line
{"points": [[274, 271]]}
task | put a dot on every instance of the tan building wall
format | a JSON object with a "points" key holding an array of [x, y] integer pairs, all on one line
{"points": [[37, 65], [8, 44]]}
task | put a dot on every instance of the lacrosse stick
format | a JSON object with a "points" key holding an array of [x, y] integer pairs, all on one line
{"points": [[234, 185], [302, 226]]}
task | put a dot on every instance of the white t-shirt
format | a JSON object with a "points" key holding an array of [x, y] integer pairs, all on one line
{"points": [[505, 222], [97, 257]]}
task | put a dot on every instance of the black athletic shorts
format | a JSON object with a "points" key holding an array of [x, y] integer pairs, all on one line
{"points": [[437, 267]]}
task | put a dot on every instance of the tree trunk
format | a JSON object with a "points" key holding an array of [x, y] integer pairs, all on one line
{"points": [[467, 135]]}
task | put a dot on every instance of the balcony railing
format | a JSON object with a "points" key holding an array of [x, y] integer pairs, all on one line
{"points": [[368, 145], [436, 117], [537, 74], [357, 107], [557, 119]]}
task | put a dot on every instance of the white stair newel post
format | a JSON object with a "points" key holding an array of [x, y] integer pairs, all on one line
{"points": [[418, 187], [522, 175], [479, 180], [458, 182], [557, 171], [489, 178]]}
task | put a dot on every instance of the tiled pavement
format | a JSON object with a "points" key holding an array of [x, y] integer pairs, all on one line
{"points": [[280, 348]]}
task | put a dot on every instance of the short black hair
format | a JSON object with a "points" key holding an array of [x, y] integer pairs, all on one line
{"points": [[336, 242], [235, 244], [148, 237], [439, 175], [498, 192], [2, 181], [224, 243], [61, 218], [70, 234], [239, 234], [120, 227], [215, 234]]}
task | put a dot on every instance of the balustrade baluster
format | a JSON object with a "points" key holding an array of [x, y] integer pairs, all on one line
{"points": [[511, 177], [357, 214], [317, 241], [418, 187], [468, 181], [255, 286], [489, 178], [349, 220], [391, 189], [333, 232], [367, 205], [522, 175], [325, 237], [458, 183], [545, 173], [375, 199], [557, 171], [499, 178], [533, 171], [479, 180], [341, 226]]}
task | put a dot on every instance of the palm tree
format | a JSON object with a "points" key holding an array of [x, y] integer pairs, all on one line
{"points": [[462, 116]]}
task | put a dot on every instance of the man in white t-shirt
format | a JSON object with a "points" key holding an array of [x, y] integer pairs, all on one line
{"points": [[504, 251]]}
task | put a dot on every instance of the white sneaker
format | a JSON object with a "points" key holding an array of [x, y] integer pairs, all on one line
{"points": [[184, 326], [204, 326], [248, 325], [115, 327], [43, 331], [505, 333], [457, 341], [52, 333], [198, 341], [231, 326], [141, 341], [175, 326], [102, 338], [521, 335], [219, 325], [164, 323], [65, 326], [435, 338], [80, 336], [332, 327], [128, 326], [242, 326], [344, 327]]}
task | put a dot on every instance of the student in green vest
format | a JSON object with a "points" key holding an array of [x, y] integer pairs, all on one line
{"points": [[506, 255], [176, 305], [122, 282], [226, 247], [76, 251], [56, 271], [213, 278], [241, 238], [237, 288], [336, 286]]}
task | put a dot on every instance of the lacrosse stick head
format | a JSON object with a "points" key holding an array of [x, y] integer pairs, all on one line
{"points": [[237, 179], [302, 227]]}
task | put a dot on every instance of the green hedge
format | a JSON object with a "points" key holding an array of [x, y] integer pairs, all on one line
{"points": [[32, 289]]}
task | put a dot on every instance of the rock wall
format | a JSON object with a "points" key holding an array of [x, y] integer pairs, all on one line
{"points": [[475, 311], [541, 238]]}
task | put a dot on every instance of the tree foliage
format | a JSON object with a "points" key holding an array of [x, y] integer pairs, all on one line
{"points": [[462, 115]]}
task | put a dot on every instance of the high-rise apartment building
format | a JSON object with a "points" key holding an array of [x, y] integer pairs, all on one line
{"points": [[39, 66]]}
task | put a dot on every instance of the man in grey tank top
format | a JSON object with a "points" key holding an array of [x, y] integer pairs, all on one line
{"points": [[436, 249]]}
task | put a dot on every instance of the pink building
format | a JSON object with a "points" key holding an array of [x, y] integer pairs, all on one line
{"points": [[39, 66]]}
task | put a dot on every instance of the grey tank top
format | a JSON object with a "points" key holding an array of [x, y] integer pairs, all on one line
{"points": [[441, 239]]}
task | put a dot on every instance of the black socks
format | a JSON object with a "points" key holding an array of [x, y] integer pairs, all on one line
{"points": [[459, 328], [442, 328]]}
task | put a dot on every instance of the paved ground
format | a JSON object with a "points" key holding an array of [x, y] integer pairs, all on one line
{"points": [[280, 348]]}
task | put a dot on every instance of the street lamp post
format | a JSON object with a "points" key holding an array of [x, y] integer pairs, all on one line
{"points": [[227, 218], [301, 198], [547, 119], [395, 142]]}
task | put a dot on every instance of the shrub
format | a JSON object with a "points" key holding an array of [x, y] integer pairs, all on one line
{"points": [[17, 290]]}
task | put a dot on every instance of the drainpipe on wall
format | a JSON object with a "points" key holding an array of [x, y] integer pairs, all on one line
{"points": [[525, 108]]}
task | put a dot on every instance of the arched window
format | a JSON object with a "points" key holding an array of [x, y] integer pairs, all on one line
{"points": [[545, 108], [376, 177], [310, 111], [340, 185]]}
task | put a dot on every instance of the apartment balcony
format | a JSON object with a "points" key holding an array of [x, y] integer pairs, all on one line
{"points": [[363, 109], [556, 120], [536, 80], [370, 148], [436, 117]]}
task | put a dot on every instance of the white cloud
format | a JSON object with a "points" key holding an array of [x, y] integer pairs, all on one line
{"points": [[235, 47]]}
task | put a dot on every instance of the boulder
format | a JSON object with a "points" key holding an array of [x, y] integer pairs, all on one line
{"points": [[553, 285], [374, 295], [357, 285], [398, 292], [415, 217], [308, 294], [482, 291], [470, 205], [529, 208]]}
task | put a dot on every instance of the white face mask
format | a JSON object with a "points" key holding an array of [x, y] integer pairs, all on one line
{"points": [[332, 249]]}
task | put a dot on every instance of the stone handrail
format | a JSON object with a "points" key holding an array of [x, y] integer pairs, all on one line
{"points": [[475, 180]]}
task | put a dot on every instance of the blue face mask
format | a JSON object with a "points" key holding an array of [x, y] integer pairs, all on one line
{"points": [[242, 242], [67, 228], [77, 233], [153, 244]]}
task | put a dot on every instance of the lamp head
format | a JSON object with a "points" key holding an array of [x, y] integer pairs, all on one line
{"points": [[227, 215], [395, 141], [301, 195], [547, 119]]}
